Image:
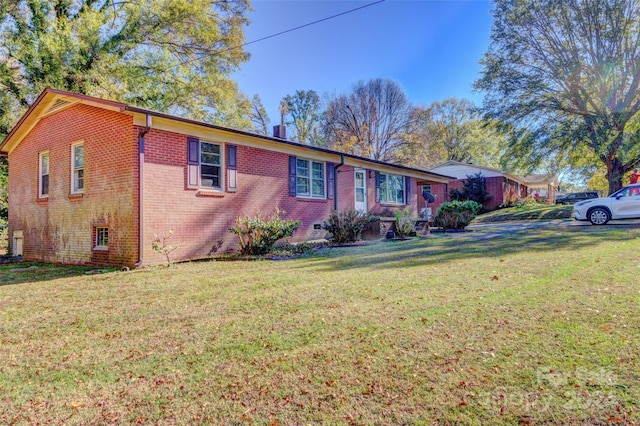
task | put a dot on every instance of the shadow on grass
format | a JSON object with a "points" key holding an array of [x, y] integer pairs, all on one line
{"points": [[526, 212], [28, 272], [447, 249]]}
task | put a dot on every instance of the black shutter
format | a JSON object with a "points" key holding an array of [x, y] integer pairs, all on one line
{"points": [[232, 168], [407, 190], [292, 175], [193, 161], [377, 187], [331, 176]]}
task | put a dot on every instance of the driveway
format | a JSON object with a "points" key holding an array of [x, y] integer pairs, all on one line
{"points": [[494, 229]]}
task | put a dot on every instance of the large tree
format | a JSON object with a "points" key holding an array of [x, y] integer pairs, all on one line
{"points": [[565, 74], [304, 111], [259, 118], [452, 130], [371, 121], [168, 55]]}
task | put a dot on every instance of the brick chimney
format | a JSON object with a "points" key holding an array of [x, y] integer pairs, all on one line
{"points": [[280, 131]]}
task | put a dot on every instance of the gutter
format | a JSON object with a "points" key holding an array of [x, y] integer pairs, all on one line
{"points": [[141, 136], [335, 181], [278, 140]]}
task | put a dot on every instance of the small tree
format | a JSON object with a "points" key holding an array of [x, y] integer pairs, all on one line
{"points": [[474, 188], [161, 245]]}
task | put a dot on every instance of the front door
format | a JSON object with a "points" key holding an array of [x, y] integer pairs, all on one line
{"points": [[361, 190]]}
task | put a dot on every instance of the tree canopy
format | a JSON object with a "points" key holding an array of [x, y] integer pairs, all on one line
{"points": [[259, 117], [304, 111], [564, 74], [451, 130], [370, 121], [169, 55]]}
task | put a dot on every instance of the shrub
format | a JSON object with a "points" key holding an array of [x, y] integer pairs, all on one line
{"points": [[289, 249], [510, 199], [347, 226], [405, 225], [456, 214], [258, 234], [474, 188]]}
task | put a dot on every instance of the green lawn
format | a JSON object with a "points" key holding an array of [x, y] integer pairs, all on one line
{"points": [[532, 328], [527, 212]]}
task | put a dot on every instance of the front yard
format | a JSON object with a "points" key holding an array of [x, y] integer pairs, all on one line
{"points": [[530, 328], [527, 212]]}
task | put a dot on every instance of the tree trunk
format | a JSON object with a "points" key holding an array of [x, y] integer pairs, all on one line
{"points": [[615, 173]]}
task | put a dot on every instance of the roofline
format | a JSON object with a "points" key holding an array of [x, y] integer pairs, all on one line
{"points": [[50, 90], [23, 119], [511, 176], [278, 140], [124, 107]]}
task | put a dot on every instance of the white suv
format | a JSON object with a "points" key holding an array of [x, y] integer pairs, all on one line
{"points": [[622, 204]]}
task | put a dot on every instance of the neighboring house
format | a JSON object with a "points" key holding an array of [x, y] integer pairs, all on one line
{"points": [[501, 186], [91, 181], [543, 187]]}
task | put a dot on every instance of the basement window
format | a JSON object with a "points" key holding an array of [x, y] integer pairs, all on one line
{"points": [[102, 238]]}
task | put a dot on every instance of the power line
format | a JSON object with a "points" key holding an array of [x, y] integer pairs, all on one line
{"points": [[312, 23]]}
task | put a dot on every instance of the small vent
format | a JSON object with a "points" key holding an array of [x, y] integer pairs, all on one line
{"points": [[59, 103]]}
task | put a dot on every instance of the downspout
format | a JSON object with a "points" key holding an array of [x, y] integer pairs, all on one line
{"points": [[141, 136], [335, 182]]}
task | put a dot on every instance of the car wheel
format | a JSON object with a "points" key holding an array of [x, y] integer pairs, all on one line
{"points": [[599, 216]]}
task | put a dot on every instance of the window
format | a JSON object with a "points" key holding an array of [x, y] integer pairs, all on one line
{"points": [[210, 165], [391, 189], [204, 164], [310, 178], [77, 168], [102, 238], [43, 184]]}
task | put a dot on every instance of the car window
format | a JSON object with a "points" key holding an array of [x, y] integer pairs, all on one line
{"points": [[626, 192]]}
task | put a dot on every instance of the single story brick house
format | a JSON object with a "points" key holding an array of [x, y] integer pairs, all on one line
{"points": [[91, 181], [502, 186]]}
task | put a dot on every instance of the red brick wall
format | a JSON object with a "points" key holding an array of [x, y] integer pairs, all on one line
{"points": [[495, 187], [200, 220], [60, 228], [440, 191]]}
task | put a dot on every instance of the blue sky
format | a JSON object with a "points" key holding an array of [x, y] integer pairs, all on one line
{"points": [[431, 48]]}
